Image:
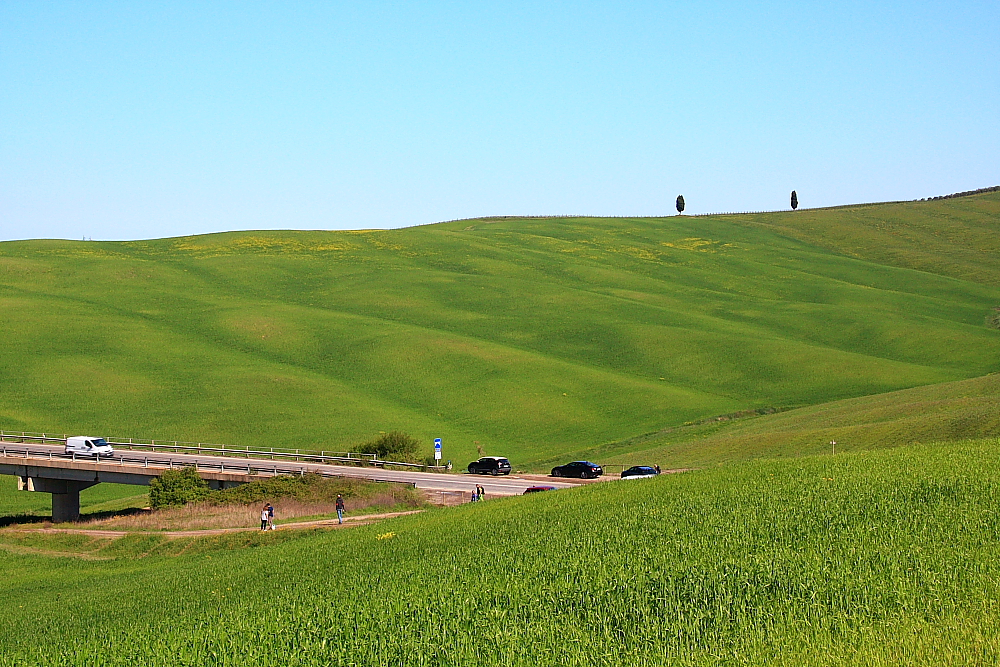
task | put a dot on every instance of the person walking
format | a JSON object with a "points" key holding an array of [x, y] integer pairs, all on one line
{"points": [[481, 492], [270, 516], [263, 518], [475, 493], [340, 508]]}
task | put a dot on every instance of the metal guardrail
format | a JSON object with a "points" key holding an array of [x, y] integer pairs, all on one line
{"points": [[177, 447], [170, 464]]}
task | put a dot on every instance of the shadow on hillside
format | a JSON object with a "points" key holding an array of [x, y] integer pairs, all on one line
{"points": [[17, 519]]}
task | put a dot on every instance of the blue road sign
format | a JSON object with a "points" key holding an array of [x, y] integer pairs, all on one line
{"points": [[437, 443]]}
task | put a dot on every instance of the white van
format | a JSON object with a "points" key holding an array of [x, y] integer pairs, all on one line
{"points": [[88, 446]]}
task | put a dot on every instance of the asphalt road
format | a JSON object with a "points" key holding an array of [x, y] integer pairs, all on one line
{"points": [[432, 481]]}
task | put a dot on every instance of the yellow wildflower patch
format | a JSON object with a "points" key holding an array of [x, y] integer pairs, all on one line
{"points": [[698, 244]]}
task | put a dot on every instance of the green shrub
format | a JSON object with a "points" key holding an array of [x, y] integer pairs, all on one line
{"points": [[393, 446], [177, 487], [305, 488]]}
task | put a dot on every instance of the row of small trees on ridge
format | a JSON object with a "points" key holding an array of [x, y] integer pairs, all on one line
{"points": [[680, 202]]}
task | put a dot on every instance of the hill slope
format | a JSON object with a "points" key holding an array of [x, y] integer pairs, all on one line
{"points": [[876, 558], [531, 336], [943, 412]]}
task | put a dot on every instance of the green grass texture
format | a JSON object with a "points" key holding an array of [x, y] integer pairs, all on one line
{"points": [[528, 337], [943, 412], [872, 558], [948, 411]]}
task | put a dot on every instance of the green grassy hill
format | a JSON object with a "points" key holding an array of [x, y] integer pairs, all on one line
{"points": [[532, 337], [868, 559], [943, 412]]}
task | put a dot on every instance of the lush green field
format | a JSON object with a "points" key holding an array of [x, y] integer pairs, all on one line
{"points": [[867, 558], [943, 412], [532, 337], [949, 411], [957, 239]]}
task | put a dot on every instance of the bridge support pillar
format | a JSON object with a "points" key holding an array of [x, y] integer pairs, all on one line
{"points": [[66, 506], [65, 495]]}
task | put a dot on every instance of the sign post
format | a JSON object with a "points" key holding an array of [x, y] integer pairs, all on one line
{"points": [[437, 449]]}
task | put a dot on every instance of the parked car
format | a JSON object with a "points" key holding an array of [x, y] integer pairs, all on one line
{"points": [[536, 489], [581, 469], [490, 465], [640, 471], [87, 445]]}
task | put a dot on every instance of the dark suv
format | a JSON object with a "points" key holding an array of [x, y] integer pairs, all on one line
{"points": [[640, 471], [581, 469], [490, 465]]}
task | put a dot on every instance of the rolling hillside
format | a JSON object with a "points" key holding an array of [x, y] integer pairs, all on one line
{"points": [[530, 337], [944, 412], [867, 559]]}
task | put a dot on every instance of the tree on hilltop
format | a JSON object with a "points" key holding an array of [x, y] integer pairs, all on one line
{"points": [[795, 200], [680, 204]]}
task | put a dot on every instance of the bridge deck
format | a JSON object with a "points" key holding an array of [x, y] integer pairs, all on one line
{"points": [[115, 472]]}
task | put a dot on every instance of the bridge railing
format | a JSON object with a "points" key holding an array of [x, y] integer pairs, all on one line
{"points": [[271, 453], [250, 468]]}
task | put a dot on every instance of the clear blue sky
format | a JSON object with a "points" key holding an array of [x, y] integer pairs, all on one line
{"points": [[136, 120]]}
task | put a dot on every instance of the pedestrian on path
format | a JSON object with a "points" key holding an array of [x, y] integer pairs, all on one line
{"points": [[340, 508], [481, 492], [270, 516], [475, 493], [263, 518]]}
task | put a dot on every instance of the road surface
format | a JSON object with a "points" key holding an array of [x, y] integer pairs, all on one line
{"points": [[431, 481]]}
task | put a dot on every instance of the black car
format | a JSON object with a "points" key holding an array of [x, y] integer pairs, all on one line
{"points": [[537, 489], [640, 471], [581, 469], [490, 465]]}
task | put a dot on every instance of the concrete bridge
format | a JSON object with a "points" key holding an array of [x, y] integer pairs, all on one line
{"points": [[47, 469], [64, 478]]}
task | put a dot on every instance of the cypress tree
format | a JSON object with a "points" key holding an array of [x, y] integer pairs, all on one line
{"points": [[680, 204], [795, 200]]}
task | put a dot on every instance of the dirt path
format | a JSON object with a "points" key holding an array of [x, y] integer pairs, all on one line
{"points": [[173, 534]]}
